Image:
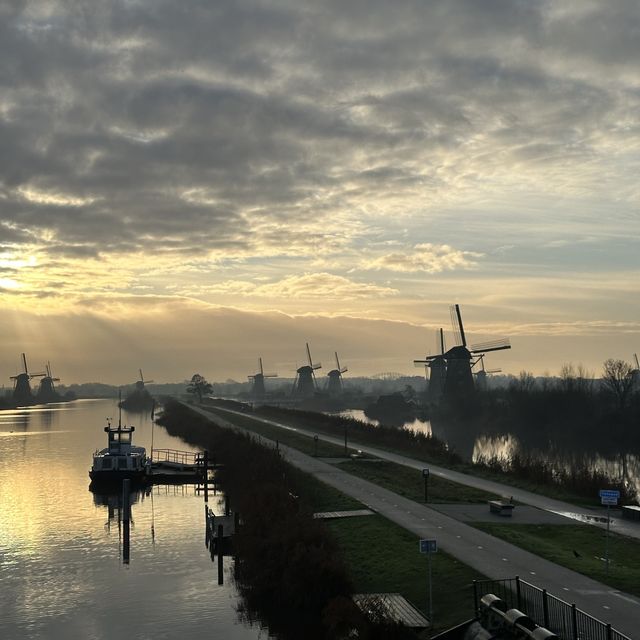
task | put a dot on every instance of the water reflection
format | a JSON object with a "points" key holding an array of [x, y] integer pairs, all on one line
{"points": [[61, 547], [570, 455]]}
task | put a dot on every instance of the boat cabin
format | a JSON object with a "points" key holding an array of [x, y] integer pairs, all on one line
{"points": [[121, 459]]}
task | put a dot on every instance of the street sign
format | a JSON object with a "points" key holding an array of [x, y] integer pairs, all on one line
{"points": [[425, 472], [428, 546], [609, 496]]}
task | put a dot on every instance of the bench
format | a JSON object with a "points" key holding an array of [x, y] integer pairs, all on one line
{"points": [[501, 508]]}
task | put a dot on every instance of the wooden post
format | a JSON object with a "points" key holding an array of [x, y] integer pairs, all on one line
{"points": [[126, 516], [205, 476], [220, 556]]}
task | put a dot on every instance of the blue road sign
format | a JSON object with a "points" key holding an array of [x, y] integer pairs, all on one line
{"points": [[609, 496], [428, 546]]}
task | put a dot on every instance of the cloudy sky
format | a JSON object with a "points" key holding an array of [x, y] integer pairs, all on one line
{"points": [[189, 185]]}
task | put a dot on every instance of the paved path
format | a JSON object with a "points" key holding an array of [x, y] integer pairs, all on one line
{"points": [[484, 553], [596, 517]]}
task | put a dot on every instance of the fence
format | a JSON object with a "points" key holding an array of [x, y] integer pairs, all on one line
{"points": [[564, 619], [175, 456]]}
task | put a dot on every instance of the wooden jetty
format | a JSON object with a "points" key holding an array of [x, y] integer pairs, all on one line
{"points": [[171, 466]]}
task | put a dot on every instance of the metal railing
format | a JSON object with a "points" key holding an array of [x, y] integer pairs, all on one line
{"points": [[175, 456], [564, 619]]}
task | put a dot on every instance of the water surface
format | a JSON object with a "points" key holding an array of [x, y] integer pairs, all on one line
{"points": [[61, 569]]}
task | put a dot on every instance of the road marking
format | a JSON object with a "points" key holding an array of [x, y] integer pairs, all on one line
{"points": [[458, 537], [619, 595], [479, 547], [505, 560], [533, 573], [566, 589], [604, 606]]}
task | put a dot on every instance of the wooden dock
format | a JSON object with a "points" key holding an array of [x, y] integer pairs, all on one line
{"points": [[171, 466]]}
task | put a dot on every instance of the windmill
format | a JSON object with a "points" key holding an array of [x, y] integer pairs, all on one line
{"points": [[140, 383], [304, 385], [47, 391], [334, 384], [635, 373], [258, 390], [460, 360], [481, 376], [438, 371], [21, 385]]}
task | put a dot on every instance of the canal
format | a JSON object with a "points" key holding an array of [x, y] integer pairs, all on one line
{"points": [[61, 569]]}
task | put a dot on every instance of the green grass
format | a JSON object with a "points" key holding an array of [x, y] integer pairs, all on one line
{"points": [[320, 496], [383, 558], [409, 483], [302, 443], [557, 543], [555, 491]]}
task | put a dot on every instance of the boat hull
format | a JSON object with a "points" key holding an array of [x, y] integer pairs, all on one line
{"points": [[114, 477]]}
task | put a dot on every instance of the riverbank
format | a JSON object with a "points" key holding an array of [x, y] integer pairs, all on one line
{"points": [[379, 556], [579, 487]]}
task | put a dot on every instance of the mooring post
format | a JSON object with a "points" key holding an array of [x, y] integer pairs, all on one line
{"points": [[126, 516], [220, 555], [205, 476]]}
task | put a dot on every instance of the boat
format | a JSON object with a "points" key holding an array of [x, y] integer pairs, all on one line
{"points": [[121, 460]]}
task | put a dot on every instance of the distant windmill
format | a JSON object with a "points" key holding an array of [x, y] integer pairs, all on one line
{"points": [[140, 383], [438, 371], [459, 381], [258, 389], [635, 374], [21, 385], [334, 384], [304, 385], [47, 390], [481, 375]]}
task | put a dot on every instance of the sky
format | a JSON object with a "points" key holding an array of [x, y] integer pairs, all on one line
{"points": [[187, 186]]}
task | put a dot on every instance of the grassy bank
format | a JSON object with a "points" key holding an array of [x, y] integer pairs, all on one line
{"points": [[382, 557], [302, 443], [378, 555], [579, 547], [408, 482], [528, 474]]}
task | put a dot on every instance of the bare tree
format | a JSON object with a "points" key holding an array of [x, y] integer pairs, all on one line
{"points": [[617, 381], [199, 386], [524, 383]]}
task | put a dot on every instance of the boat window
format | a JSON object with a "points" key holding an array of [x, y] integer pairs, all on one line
{"points": [[106, 463], [122, 463], [125, 438]]}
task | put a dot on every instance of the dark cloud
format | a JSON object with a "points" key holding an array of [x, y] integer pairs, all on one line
{"points": [[185, 127]]}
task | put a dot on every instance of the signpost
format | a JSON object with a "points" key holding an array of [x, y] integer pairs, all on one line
{"points": [[429, 546], [608, 497], [425, 475]]}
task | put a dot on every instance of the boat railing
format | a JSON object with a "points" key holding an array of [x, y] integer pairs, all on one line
{"points": [[175, 456]]}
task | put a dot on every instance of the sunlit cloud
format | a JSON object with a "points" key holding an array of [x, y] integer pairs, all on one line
{"points": [[325, 286], [426, 257]]}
